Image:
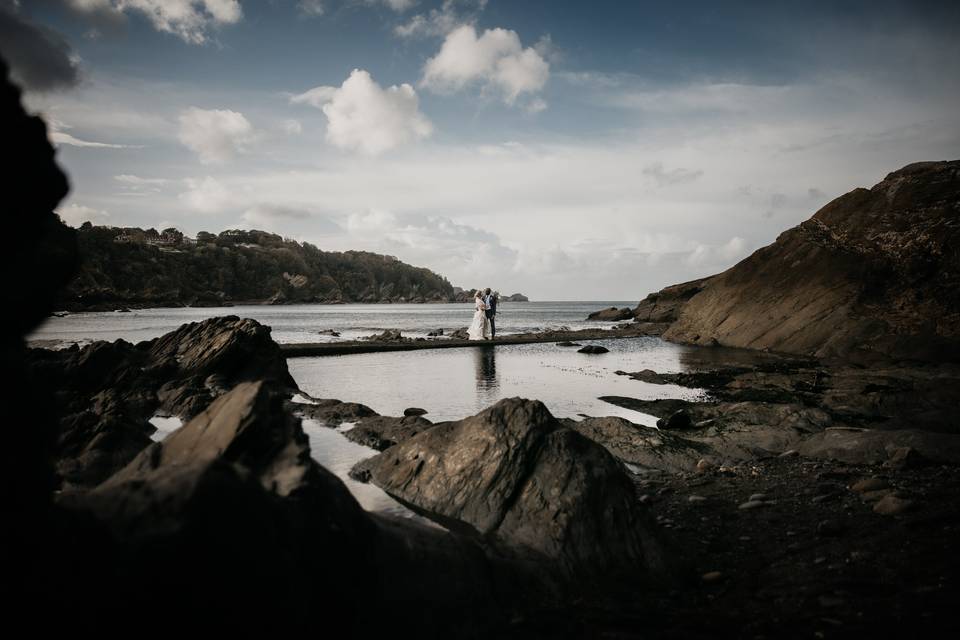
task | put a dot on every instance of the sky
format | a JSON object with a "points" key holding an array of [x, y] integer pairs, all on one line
{"points": [[567, 150]]}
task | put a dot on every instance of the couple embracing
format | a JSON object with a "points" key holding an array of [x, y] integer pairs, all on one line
{"points": [[484, 326]]}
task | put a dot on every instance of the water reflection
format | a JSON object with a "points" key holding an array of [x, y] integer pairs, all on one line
{"points": [[488, 384]]}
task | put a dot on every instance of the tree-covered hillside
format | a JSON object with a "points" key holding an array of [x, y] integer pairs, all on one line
{"points": [[133, 267]]}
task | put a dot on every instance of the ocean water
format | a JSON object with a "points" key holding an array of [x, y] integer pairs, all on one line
{"points": [[302, 323]]}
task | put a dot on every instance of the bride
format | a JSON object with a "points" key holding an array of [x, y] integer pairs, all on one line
{"points": [[480, 327]]}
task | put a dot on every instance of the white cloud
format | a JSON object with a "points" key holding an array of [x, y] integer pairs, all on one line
{"points": [[311, 8], [291, 127], [662, 177], [75, 215], [215, 135], [57, 135], [362, 116], [208, 195], [133, 180], [441, 21], [397, 5], [718, 257], [496, 60], [190, 20]]}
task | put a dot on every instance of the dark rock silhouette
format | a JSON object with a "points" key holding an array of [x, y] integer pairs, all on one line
{"points": [[874, 273], [107, 391]]}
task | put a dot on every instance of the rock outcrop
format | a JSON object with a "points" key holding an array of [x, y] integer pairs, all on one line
{"points": [[874, 273], [665, 305], [514, 475], [107, 392], [611, 314]]}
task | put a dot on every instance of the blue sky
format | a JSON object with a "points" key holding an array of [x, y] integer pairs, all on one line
{"points": [[568, 150]]}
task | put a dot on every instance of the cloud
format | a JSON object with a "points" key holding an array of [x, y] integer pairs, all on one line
{"points": [[190, 20], [675, 176], [291, 127], [39, 58], [495, 60], [719, 257], [362, 116], [208, 195], [75, 215], [57, 136], [397, 5], [133, 180], [281, 217], [441, 21], [311, 8], [215, 135]]}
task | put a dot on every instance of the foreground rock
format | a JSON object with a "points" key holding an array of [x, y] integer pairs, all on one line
{"points": [[873, 273], [234, 498], [516, 476], [106, 392]]}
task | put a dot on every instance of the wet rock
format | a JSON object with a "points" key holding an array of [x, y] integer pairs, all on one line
{"points": [[567, 343], [611, 314], [712, 577], [329, 332], [414, 411], [460, 334], [677, 420], [892, 504], [751, 504], [666, 305], [382, 432], [107, 391], [593, 348], [513, 474], [869, 484], [902, 458], [435, 334], [334, 412], [390, 335], [639, 445]]}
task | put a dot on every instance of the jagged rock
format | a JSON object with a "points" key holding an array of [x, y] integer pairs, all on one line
{"points": [[873, 273], [230, 512], [382, 432], [414, 411], [593, 348], [641, 445], [611, 314], [516, 297], [329, 332], [334, 412], [107, 392], [460, 334], [390, 335], [513, 474]]}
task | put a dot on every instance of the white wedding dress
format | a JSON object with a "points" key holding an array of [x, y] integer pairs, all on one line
{"points": [[479, 329]]}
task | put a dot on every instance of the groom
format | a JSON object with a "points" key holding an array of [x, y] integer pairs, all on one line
{"points": [[490, 300]]}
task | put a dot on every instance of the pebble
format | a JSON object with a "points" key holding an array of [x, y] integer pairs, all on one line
{"points": [[874, 496], [751, 504], [823, 498], [869, 484], [704, 466], [696, 498], [644, 499], [712, 577], [759, 497], [892, 505], [792, 453]]}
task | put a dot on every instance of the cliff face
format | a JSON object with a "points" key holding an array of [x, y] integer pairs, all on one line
{"points": [[132, 267], [875, 271]]}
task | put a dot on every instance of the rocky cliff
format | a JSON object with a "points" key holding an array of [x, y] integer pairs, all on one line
{"points": [[873, 273]]}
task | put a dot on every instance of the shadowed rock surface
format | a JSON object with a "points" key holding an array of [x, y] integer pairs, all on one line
{"points": [[611, 314], [107, 391], [665, 305], [875, 272], [515, 475]]}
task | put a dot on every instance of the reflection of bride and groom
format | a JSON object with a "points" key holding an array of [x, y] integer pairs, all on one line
{"points": [[484, 325]]}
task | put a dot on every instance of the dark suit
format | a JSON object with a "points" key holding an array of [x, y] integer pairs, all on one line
{"points": [[491, 312]]}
